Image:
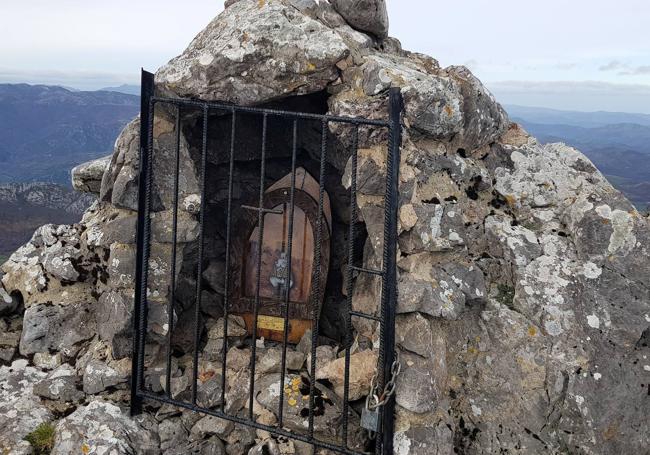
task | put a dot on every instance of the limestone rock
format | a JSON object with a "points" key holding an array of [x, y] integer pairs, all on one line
{"points": [[236, 327], [209, 425], [9, 339], [420, 383], [56, 327], [60, 385], [114, 321], [296, 407], [120, 180], [20, 410], [437, 296], [99, 376], [102, 427], [365, 15], [363, 366], [87, 177], [255, 52]]}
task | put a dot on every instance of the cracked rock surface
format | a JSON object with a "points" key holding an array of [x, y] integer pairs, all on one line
{"points": [[523, 317]]}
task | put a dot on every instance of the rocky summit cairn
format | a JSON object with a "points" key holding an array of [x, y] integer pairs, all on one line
{"points": [[524, 277]]}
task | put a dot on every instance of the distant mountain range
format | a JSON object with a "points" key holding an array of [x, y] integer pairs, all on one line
{"points": [[617, 143], [124, 88], [547, 116], [47, 130]]}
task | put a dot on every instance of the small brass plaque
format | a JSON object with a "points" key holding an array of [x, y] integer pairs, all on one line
{"points": [[270, 323]]}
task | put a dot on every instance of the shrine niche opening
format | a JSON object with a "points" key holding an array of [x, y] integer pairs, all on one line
{"points": [[273, 245]]}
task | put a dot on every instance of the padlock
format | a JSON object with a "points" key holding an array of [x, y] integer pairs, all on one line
{"points": [[370, 419]]}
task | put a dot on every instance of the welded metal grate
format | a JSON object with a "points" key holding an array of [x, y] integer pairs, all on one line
{"points": [[386, 316]]}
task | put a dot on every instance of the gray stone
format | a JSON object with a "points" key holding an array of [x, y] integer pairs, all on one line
{"points": [[9, 341], [363, 366], [47, 361], [296, 406], [56, 328], [240, 440], [421, 382], [98, 376], [365, 15], [102, 427], [120, 180], [209, 390], [255, 52], [87, 177], [20, 410], [209, 426], [60, 385], [114, 321], [435, 295], [173, 436], [236, 327], [427, 439]]}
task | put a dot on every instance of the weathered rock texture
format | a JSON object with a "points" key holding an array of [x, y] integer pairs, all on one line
{"points": [[524, 292]]}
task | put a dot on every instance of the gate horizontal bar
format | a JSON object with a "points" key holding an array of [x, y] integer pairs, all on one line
{"points": [[365, 316], [274, 112], [370, 271], [263, 210], [251, 423]]}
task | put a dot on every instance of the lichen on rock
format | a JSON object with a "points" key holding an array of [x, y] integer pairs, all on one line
{"points": [[523, 276]]}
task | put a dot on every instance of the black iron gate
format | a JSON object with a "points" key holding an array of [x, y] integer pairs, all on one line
{"points": [[387, 273]]}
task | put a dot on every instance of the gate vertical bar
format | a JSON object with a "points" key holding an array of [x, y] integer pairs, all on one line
{"points": [[349, 286], [389, 285], [258, 279], [226, 285], [199, 273], [316, 277], [144, 188], [287, 284], [172, 279]]}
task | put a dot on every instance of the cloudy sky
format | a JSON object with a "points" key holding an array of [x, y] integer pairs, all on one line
{"points": [[568, 54]]}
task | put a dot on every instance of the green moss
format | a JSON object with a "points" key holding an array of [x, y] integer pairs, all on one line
{"points": [[42, 439], [506, 294]]}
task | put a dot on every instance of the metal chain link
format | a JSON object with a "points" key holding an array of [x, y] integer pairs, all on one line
{"points": [[374, 401]]}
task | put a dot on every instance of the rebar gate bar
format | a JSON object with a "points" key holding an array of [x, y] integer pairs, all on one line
{"points": [[386, 313]]}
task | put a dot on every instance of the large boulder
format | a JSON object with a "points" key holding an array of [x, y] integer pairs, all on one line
{"points": [[253, 52], [523, 315], [102, 427], [21, 411], [366, 15], [87, 177]]}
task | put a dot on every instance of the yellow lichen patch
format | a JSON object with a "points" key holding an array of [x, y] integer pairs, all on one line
{"points": [[532, 331], [85, 449], [305, 397], [511, 200], [261, 3], [610, 432], [287, 390], [311, 66], [292, 402]]}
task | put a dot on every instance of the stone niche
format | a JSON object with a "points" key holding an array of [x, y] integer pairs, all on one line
{"points": [[245, 192]]}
